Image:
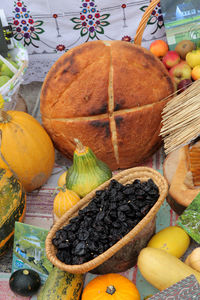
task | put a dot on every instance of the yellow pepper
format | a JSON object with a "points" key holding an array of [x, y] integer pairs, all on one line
{"points": [[193, 58]]}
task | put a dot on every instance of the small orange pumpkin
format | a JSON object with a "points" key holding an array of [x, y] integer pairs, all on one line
{"points": [[110, 286], [63, 201], [26, 149]]}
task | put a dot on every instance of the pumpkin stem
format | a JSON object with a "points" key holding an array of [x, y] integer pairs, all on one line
{"points": [[4, 116], [60, 188], [110, 290], [79, 146]]}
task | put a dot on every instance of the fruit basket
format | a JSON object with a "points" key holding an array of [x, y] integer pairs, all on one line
{"points": [[9, 90], [123, 254]]}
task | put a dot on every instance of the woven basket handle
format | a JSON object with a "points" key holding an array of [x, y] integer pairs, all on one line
{"points": [[143, 22]]}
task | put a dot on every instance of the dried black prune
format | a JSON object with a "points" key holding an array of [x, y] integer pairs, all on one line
{"points": [[55, 242], [77, 260], [121, 216], [62, 254], [58, 233], [68, 260], [100, 216], [94, 236], [134, 206], [64, 245], [124, 208], [116, 224], [80, 249], [109, 216], [145, 209], [113, 214], [83, 235], [128, 190], [107, 219]]}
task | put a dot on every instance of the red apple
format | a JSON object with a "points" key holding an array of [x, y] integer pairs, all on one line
{"points": [[171, 59], [183, 85], [180, 71]]}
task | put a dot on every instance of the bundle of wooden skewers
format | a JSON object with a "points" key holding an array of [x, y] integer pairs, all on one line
{"points": [[181, 118]]}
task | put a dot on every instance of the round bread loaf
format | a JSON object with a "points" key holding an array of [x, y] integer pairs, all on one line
{"points": [[109, 95]]}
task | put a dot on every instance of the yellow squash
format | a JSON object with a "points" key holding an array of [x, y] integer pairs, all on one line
{"points": [[172, 239], [62, 179], [26, 148], [162, 269]]}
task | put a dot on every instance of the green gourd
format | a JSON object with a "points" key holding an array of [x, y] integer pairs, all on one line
{"points": [[87, 171], [12, 207], [61, 285]]}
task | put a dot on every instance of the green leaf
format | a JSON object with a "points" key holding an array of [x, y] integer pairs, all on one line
{"points": [[143, 8], [84, 31], [100, 30], [151, 21], [92, 35], [27, 41], [104, 23], [39, 30], [37, 23], [77, 27], [160, 25], [75, 20], [104, 16], [34, 36], [18, 37]]}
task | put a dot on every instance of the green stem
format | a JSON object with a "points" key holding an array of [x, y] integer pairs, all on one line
{"points": [[79, 146], [110, 290], [4, 116]]}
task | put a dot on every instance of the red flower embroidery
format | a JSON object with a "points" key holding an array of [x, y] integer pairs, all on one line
{"points": [[126, 38], [55, 16], [60, 47], [123, 5], [19, 4]]}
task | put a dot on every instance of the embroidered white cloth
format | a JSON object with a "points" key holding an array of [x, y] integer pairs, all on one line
{"points": [[48, 28]]}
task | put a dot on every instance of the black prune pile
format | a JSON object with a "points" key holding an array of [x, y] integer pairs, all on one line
{"points": [[109, 216]]}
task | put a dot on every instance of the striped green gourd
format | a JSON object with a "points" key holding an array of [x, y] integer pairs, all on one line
{"points": [[12, 207], [87, 171]]}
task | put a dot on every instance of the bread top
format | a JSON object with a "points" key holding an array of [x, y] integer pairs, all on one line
{"points": [[103, 77]]}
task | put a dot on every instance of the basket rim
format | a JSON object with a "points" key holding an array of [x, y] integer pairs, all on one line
{"points": [[142, 173]]}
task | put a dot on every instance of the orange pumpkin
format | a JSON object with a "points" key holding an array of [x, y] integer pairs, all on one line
{"points": [[110, 286], [26, 148], [63, 201]]}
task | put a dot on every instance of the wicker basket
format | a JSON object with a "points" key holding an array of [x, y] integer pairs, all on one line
{"points": [[143, 22], [122, 255]]}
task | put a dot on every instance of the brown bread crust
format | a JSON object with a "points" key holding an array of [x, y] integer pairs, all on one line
{"points": [[110, 96]]}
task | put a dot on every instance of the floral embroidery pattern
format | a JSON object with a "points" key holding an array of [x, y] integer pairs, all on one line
{"points": [[60, 47], [90, 22], [155, 18], [127, 38], [23, 25]]}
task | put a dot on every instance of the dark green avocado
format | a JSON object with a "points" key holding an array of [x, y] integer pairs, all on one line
{"points": [[25, 282]]}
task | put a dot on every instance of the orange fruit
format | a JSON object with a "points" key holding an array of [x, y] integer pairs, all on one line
{"points": [[159, 48]]}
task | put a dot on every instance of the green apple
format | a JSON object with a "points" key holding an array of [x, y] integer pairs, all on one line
{"points": [[13, 63], [6, 71], [3, 80]]}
